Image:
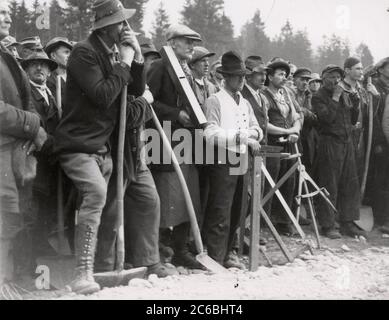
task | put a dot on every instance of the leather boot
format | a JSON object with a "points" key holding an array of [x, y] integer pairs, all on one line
{"points": [[85, 247]]}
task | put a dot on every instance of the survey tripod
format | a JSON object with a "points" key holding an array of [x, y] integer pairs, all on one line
{"points": [[250, 223]]}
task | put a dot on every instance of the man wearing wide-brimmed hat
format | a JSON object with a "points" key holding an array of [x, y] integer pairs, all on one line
{"points": [[58, 49], [379, 188], [169, 106], [232, 128], [44, 188], [86, 139], [337, 111]]}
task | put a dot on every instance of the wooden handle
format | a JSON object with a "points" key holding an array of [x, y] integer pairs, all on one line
{"points": [[120, 250], [188, 199]]}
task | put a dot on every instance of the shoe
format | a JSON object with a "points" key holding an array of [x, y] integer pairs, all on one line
{"points": [[384, 228], [161, 270], [285, 229], [232, 261], [186, 259], [304, 221], [165, 251], [85, 247], [331, 233], [350, 229]]}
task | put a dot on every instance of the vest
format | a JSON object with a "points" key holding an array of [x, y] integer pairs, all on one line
{"points": [[233, 116]]}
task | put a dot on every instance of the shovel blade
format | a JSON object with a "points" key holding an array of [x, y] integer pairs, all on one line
{"points": [[210, 264], [366, 220], [61, 247], [61, 270], [113, 279]]}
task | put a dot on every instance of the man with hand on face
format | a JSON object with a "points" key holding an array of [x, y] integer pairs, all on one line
{"points": [[283, 130], [232, 128], [84, 139], [335, 170], [19, 129], [169, 106]]}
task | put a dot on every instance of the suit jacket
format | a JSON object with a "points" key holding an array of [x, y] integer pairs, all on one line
{"points": [[260, 111]]}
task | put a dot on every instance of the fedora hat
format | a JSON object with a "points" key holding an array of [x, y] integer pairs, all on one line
{"points": [[39, 56], [232, 64], [149, 48], [200, 53], [108, 12], [56, 42], [279, 63]]}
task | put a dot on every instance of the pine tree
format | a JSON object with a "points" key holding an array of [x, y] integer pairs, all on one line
{"points": [[161, 23], [24, 21], [207, 18], [78, 18], [334, 51], [365, 55], [13, 9], [253, 40], [56, 20]]}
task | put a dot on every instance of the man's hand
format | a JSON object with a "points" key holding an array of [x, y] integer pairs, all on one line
{"points": [[255, 146], [148, 96], [293, 138], [40, 139], [242, 137], [337, 93], [128, 38], [184, 118], [127, 54], [372, 89], [293, 130]]}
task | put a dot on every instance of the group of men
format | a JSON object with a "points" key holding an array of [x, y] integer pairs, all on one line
{"points": [[59, 121]]}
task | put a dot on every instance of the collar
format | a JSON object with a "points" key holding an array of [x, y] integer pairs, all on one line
{"points": [[200, 82], [348, 85], [42, 87], [236, 96], [251, 89]]}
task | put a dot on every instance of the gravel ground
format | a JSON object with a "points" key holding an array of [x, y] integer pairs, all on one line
{"points": [[342, 269]]}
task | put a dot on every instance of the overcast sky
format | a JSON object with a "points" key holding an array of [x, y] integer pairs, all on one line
{"points": [[359, 20]]}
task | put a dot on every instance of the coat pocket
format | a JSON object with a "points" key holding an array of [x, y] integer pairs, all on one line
{"points": [[23, 164]]}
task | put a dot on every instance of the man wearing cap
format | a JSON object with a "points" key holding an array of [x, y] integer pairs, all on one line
{"points": [[169, 107], [309, 136], [58, 49], [29, 45], [150, 54], [283, 130], [254, 84], [232, 128], [335, 170], [314, 83], [214, 77], [199, 64], [379, 171], [11, 44], [44, 188], [86, 139], [19, 131]]}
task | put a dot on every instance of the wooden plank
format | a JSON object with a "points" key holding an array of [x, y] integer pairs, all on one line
{"points": [[183, 86], [255, 221]]}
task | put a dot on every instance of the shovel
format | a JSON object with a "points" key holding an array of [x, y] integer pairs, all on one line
{"points": [[201, 257], [120, 277], [366, 220]]}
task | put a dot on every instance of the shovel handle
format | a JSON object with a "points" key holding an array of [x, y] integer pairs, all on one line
{"points": [[188, 199], [120, 250]]}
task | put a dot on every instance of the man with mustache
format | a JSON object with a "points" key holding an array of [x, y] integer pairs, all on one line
{"points": [[169, 106]]}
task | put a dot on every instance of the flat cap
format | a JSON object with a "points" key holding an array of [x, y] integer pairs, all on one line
{"points": [[56, 42], [331, 68], [255, 64], [32, 42], [315, 77], [180, 30], [303, 73], [149, 48], [200, 53]]}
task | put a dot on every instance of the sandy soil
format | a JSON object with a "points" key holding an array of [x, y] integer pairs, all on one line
{"points": [[342, 269]]}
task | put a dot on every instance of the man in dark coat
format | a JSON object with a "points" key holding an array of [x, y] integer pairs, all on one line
{"points": [[169, 107], [44, 188], [335, 169], [19, 129], [93, 90]]}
